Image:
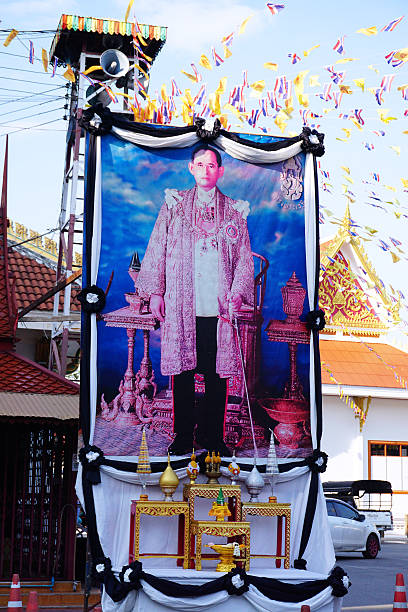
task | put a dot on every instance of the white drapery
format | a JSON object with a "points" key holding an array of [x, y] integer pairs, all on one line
{"points": [[117, 488]]}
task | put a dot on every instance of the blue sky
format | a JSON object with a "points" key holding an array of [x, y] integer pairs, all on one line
{"points": [[37, 155]]}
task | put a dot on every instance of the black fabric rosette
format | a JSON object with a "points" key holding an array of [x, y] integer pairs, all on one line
{"points": [[103, 568], [317, 461], [312, 142], [130, 575], [207, 131], [92, 299], [339, 582], [236, 582], [315, 320], [91, 458], [97, 120]]}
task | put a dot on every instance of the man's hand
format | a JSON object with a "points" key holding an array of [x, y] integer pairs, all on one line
{"points": [[234, 303], [157, 307]]}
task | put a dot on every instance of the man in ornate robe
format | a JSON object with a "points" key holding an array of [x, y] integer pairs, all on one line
{"points": [[197, 270]]}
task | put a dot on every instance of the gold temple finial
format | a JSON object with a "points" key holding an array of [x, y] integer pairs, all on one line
{"points": [[143, 460], [168, 481]]}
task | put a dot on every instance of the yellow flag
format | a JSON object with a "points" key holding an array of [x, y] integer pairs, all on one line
{"points": [[314, 80], [391, 188], [371, 67], [348, 178], [280, 121], [345, 60], [298, 82], [346, 169], [164, 92], [383, 115], [345, 89], [402, 87], [289, 106], [227, 52], [221, 86], [190, 76], [395, 257], [303, 99], [10, 37], [405, 132], [244, 25], [404, 183], [44, 58], [189, 97], [271, 65], [69, 75], [396, 149], [258, 86], [306, 53], [356, 123], [368, 31], [128, 10], [360, 83], [401, 54], [214, 103], [347, 132], [205, 62]]}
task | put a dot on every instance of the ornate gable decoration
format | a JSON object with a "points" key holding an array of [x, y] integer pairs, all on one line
{"points": [[343, 299], [341, 294]]}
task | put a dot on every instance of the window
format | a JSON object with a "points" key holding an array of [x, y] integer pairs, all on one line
{"points": [[330, 508], [389, 461], [345, 511]]}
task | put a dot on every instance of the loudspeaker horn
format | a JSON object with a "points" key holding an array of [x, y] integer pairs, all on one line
{"points": [[114, 63], [95, 94]]}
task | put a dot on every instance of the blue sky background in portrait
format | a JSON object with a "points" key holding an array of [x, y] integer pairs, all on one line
{"points": [[133, 184]]}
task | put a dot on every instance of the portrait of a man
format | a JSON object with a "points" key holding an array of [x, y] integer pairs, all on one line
{"points": [[196, 272]]}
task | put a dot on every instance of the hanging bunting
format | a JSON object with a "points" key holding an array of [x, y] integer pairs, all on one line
{"points": [[11, 36]]}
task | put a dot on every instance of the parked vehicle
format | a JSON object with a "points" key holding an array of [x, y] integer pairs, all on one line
{"points": [[371, 497], [351, 531]]}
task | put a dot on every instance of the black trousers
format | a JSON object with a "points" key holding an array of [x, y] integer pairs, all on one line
{"points": [[210, 415]]}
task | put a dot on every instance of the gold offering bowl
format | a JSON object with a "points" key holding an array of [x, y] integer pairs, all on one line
{"points": [[226, 552]]}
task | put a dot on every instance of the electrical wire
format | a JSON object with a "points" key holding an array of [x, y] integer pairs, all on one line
{"points": [[29, 107], [51, 110], [25, 81], [32, 94], [35, 93], [27, 70], [32, 127]]}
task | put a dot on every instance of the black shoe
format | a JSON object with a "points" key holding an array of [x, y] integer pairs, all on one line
{"points": [[180, 446]]}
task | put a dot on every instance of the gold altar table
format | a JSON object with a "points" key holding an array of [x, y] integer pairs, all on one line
{"points": [[160, 509], [230, 529], [281, 511]]}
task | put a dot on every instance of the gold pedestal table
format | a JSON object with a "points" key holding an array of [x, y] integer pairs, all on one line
{"points": [[159, 509], [281, 511], [229, 529]]}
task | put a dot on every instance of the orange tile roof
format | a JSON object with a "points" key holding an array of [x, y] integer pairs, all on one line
{"points": [[33, 279], [352, 363], [21, 375]]}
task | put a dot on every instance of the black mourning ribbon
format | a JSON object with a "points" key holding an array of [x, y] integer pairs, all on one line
{"points": [[97, 120], [207, 131], [91, 458], [315, 320], [312, 142], [236, 582], [92, 299]]}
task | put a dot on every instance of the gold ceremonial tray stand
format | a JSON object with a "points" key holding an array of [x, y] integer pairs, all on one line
{"points": [[220, 528], [280, 511], [210, 491], [159, 509]]}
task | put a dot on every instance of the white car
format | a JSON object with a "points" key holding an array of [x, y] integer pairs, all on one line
{"points": [[351, 531]]}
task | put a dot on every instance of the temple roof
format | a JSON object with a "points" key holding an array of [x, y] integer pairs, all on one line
{"points": [[351, 293], [363, 364]]}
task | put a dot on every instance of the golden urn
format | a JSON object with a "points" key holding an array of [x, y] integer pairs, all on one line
{"points": [[168, 481]]}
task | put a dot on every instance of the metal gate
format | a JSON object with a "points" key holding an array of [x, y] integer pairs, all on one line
{"points": [[37, 499]]}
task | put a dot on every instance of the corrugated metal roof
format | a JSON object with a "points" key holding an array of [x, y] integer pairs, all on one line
{"points": [[353, 363], [62, 407]]}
